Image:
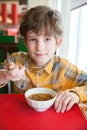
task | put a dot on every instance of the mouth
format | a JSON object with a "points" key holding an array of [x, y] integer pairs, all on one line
{"points": [[39, 54]]}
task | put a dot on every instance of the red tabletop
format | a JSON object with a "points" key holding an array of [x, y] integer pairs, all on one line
{"points": [[15, 114]]}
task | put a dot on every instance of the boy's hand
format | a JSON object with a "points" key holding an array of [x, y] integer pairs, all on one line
{"points": [[65, 100], [14, 72]]}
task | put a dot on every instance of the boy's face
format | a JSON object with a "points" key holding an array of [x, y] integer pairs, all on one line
{"points": [[41, 47]]}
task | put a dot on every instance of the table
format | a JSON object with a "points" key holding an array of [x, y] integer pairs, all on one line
{"points": [[15, 114]]}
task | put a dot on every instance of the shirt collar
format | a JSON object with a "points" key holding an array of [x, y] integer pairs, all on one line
{"points": [[48, 67]]}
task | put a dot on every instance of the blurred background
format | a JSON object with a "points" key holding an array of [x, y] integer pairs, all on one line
{"points": [[75, 27]]}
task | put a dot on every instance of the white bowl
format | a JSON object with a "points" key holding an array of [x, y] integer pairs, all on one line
{"points": [[40, 106]]}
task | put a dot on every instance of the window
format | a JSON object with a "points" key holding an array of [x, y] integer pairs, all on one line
{"points": [[77, 52]]}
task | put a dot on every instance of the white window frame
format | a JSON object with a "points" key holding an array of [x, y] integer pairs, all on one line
{"points": [[77, 50]]}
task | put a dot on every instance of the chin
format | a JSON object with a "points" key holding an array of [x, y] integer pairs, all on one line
{"points": [[40, 63]]}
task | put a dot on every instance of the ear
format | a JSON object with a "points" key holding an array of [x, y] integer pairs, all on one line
{"points": [[59, 42]]}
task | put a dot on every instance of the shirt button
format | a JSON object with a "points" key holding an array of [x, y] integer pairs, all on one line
{"points": [[39, 74]]}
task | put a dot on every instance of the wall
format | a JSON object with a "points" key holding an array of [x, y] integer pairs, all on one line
{"points": [[32, 3], [75, 3]]}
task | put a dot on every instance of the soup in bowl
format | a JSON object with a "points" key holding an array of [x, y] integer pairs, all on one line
{"points": [[40, 99]]}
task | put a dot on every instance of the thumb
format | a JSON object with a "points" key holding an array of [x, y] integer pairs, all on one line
{"points": [[10, 65], [21, 67]]}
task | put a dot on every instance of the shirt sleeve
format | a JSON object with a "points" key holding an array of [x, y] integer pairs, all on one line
{"points": [[76, 81]]}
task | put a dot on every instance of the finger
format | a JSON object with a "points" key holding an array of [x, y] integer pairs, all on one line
{"points": [[65, 103], [58, 98], [62, 104], [12, 72], [70, 105], [22, 67], [10, 65], [68, 100], [74, 100]]}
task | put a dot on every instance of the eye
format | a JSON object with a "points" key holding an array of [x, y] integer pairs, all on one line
{"points": [[31, 40], [47, 39]]}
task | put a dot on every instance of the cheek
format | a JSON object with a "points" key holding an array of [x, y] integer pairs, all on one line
{"points": [[30, 48], [52, 49]]}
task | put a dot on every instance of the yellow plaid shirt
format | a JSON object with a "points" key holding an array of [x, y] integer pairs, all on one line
{"points": [[59, 74]]}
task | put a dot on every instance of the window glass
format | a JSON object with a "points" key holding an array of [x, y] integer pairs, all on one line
{"points": [[77, 51]]}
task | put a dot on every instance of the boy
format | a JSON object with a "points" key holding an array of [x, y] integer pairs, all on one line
{"points": [[42, 30]]}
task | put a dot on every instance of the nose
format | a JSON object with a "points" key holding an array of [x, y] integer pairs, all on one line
{"points": [[40, 45]]}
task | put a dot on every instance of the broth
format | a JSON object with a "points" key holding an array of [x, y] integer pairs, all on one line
{"points": [[40, 97]]}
